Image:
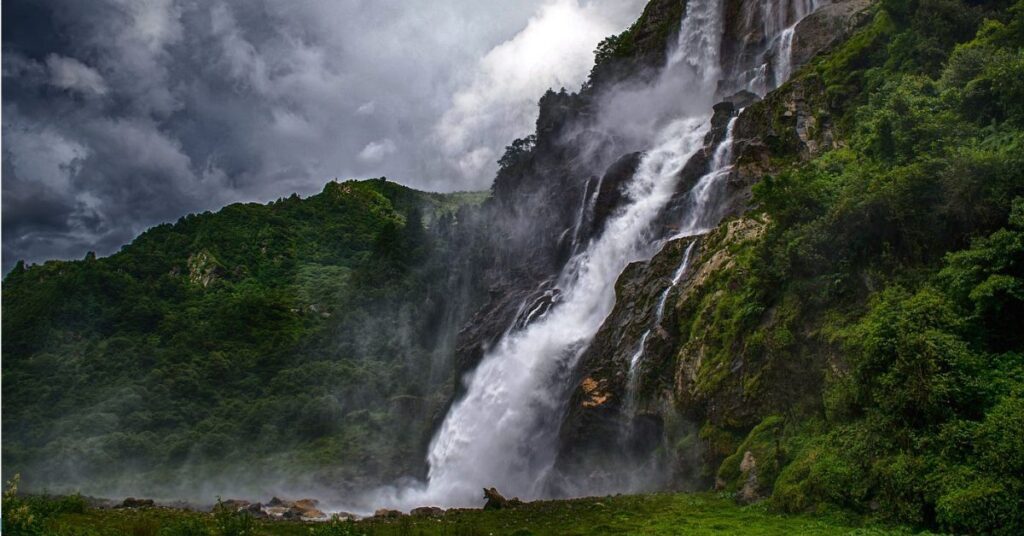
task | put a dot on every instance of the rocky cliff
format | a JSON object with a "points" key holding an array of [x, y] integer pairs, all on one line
{"points": [[689, 388]]}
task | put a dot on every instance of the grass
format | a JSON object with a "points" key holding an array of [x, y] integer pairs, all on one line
{"points": [[689, 514]]}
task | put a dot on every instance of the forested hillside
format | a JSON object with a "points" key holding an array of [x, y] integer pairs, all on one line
{"points": [[898, 258], [854, 340], [300, 336]]}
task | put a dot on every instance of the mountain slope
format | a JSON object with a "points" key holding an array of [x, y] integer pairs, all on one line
{"points": [[306, 331], [853, 340]]}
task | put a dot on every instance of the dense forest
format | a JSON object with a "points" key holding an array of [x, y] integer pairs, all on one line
{"points": [[890, 270], [234, 338]]}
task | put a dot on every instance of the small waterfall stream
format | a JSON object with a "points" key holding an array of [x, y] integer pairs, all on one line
{"points": [[697, 220]]}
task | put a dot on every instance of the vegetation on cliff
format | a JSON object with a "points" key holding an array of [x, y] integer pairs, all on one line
{"points": [[885, 299]]}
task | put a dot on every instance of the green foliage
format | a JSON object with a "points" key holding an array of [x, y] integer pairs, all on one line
{"points": [[185, 527], [644, 43], [337, 527], [891, 273], [763, 444], [228, 522], [517, 153], [255, 335]]}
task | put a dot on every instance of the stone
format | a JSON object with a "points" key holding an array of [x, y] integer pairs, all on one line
{"points": [[234, 505], [132, 502], [256, 510], [385, 513], [275, 511], [307, 503], [427, 511], [303, 513], [750, 491], [496, 501]]}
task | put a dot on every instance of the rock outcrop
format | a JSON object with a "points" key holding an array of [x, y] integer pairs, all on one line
{"points": [[496, 501], [132, 502], [827, 27]]}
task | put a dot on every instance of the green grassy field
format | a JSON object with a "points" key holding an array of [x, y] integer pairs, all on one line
{"points": [[697, 514]]}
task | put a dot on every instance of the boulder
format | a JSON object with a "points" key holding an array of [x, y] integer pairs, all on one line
{"points": [[276, 501], [307, 504], [234, 505], [304, 509], [750, 492], [256, 510], [612, 193], [132, 502], [305, 513], [427, 511], [743, 98], [385, 513], [496, 501], [275, 511]]}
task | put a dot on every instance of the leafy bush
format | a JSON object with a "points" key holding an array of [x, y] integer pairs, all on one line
{"points": [[229, 522], [186, 527]]}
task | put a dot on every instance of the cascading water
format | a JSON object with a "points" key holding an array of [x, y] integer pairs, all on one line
{"points": [[503, 431], [659, 311], [784, 56], [778, 24], [698, 218]]}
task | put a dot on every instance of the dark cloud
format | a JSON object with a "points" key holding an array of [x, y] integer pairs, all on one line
{"points": [[120, 114]]}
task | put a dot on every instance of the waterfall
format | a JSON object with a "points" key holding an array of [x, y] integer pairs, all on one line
{"points": [[699, 217], [779, 19], [784, 56], [503, 431], [659, 311]]}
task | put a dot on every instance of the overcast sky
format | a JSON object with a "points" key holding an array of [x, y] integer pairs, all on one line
{"points": [[121, 114]]}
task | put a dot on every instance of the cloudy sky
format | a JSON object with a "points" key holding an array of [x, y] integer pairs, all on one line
{"points": [[121, 114]]}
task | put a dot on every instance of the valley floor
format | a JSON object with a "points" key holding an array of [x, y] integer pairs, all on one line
{"points": [[689, 514]]}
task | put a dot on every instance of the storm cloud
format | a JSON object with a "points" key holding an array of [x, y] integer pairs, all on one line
{"points": [[121, 114]]}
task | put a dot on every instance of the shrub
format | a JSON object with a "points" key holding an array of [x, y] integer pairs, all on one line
{"points": [[186, 527]]}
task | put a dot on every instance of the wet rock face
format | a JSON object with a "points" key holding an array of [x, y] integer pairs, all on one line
{"points": [[791, 123], [529, 232], [595, 417], [827, 27], [612, 193], [537, 201]]}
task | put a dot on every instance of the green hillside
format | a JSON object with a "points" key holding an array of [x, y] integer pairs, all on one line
{"points": [[875, 328], [297, 334]]}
